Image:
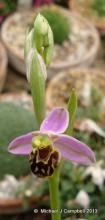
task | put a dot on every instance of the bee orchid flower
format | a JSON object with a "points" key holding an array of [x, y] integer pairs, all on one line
{"points": [[47, 146]]}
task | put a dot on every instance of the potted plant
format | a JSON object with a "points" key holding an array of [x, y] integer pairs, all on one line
{"points": [[95, 9], [86, 81]]}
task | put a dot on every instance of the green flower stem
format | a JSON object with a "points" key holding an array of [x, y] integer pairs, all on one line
{"points": [[54, 195]]}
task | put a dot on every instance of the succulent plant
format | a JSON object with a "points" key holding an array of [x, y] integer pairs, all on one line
{"points": [[58, 22], [14, 121]]}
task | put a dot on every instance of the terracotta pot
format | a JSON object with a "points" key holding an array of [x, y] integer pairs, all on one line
{"points": [[15, 53], [58, 90], [3, 66], [13, 206], [16, 205], [84, 10]]}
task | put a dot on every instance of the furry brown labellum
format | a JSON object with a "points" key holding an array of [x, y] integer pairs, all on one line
{"points": [[44, 161]]}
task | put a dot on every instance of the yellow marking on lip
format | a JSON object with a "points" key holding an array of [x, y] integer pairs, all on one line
{"points": [[43, 171], [48, 171], [36, 169]]}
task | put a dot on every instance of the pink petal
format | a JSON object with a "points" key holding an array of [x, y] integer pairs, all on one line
{"points": [[56, 122], [74, 150], [21, 145]]}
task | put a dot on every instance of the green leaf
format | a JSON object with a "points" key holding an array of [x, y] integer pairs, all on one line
{"points": [[72, 107]]}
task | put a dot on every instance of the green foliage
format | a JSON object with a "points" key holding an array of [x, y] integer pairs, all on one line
{"points": [[99, 7], [59, 24], [14, 121]]}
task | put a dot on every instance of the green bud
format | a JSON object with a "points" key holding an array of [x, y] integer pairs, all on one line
{"points": [[41, 25], [38, 52], [36, 74], [40, 62], [43, 38]]}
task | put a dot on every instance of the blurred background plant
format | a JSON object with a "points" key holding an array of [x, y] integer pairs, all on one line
{"points": [[38, 3], [62, 2], [99, 7], [17, 121], [6, 7], [59, 2]]}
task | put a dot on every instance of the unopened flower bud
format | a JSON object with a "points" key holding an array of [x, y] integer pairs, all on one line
{"points": [[36, 74], [38, 61], [43, 38], [41, 25]]}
